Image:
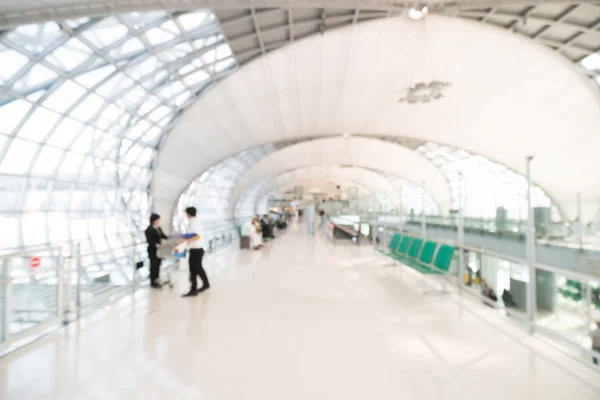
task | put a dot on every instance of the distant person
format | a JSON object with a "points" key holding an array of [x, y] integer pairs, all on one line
{"points": [[257, 236], [267, 227], [595, 335], [249, 229], [508, 299], [196, 246], [154, 235]]}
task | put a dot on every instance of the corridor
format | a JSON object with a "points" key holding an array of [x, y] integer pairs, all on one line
{"points": [[303, 319]]}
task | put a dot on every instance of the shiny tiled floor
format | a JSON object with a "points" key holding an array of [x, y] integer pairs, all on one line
{"points": [[302, 319]]}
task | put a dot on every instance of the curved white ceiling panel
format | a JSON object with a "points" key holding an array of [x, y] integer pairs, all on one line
{"points": [[510, 98], [329, 176], [357, 152]]}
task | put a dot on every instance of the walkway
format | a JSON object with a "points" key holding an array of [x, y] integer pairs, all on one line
{"points": [[302, 319]]}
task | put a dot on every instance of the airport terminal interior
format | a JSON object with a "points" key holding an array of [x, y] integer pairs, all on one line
{"points": [[391, 200]]}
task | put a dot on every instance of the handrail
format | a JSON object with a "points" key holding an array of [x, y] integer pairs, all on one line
{"points": [[517, 260], [28, 252], [342, 228], [533, 324], [543, 267]]}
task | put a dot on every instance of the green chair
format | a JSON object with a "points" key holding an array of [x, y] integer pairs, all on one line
{"points": [[393, 246], [403, 247], [413, 260], [427, 252], [443, 257], [415, 247]]}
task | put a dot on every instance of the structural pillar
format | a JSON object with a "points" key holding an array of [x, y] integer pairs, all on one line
{"points": [[460, 229], [580, 219], [423, 215], [530, 251]]}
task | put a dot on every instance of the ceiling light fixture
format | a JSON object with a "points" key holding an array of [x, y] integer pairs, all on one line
{"points": [[423, 92], [418, 12]]}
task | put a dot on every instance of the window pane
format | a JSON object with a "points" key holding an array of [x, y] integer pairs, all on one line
{"points": [[9, 224], [65, 133], [36, 195], [58, 227], [47, 162], [12, 62], [64, 97], [12, 114], [70, 166], [89, 106], [19, 157], [10, 190], [70, 55], [34, 229], [39, 124]]}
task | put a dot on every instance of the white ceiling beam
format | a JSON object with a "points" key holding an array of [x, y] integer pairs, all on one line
{"points": [[257, 30], [25, 11]]}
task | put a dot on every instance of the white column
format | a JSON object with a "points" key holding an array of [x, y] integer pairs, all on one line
{"points": [[309, 217], [401, 210], [423, 215], [580, 219], [460, 231], [530, 249]]}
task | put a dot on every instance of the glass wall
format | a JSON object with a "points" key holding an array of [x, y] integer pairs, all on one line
{"points": [[84, 106], [210, 193], [411, 196], [255, 200], [486, 185]]}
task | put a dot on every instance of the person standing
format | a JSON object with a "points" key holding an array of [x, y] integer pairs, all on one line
{"points": [[595, 335], [196, 247], [154, 235]]}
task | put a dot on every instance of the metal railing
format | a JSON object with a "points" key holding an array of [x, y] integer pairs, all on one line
{"points": [[509, 227], [566, 319], [32, 293], [48, 287]]}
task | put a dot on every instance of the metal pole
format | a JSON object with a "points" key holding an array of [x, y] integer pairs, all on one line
{"points": [[530, 250], [401, 210], [589, 310], [7, 300], [460, 232], [60, 298], [133, 270], [423, 216], [580, 219], [79, 272]]}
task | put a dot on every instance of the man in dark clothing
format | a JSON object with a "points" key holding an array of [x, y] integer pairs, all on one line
{"points": [[154, 235]]}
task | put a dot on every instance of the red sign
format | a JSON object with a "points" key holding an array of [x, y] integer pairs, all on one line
{"points": [[34, 262]]}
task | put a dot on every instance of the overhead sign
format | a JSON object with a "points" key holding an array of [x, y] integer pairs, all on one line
{"points": [[34, 262]]}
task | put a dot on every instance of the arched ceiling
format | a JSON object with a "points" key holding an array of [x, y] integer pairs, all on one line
{"points": [[510, 98], [328, 189], [329, 176], [361, 152], [254, 28]]}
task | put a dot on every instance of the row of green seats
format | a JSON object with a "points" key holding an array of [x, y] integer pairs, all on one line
{"points": [[574, 284], [427, 257], [569, 294]]}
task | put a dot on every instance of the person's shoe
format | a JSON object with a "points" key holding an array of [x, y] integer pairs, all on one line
{"points": [[203, 288], [191, 293], [156, 285]]}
